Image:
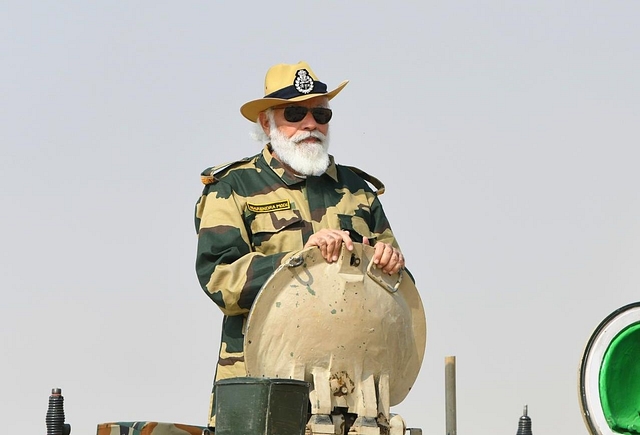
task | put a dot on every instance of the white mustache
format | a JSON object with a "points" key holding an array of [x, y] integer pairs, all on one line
{"points": [[299, 137]]}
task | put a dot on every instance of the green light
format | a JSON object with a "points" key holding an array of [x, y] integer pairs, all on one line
{"points": [[619, 381]]}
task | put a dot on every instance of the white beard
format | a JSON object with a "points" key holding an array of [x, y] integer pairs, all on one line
{"points": [[306, 158]]}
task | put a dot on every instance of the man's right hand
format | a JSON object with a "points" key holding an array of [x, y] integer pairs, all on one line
{"points": [[330, 243]]}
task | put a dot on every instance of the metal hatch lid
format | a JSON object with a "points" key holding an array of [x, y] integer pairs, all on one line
{"points": [[345, 317]]}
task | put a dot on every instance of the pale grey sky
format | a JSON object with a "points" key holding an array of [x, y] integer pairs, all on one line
{"points": [[506, 134]]}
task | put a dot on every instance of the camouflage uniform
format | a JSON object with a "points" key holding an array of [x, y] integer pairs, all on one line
{"points": [[255, 214]]}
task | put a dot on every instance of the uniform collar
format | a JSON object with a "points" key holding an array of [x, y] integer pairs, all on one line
{"points": [[287, 175]]}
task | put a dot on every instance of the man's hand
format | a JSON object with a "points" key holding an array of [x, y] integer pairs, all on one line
{"points": [[386, 257], [330, 243]]}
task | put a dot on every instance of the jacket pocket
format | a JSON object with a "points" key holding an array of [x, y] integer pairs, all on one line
{"points": [[277, 231]]}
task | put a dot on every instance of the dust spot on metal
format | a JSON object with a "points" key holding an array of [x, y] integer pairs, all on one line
{"points": [[333, 311], [278, 304]]}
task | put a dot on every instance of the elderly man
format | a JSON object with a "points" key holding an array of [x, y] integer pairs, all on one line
{"points": [[256, 213]]}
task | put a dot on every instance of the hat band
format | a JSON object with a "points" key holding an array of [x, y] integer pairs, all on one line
{"points": [[292, 92]]}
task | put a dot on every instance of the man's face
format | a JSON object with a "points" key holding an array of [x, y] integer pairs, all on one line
{"points": [[302, 145]]}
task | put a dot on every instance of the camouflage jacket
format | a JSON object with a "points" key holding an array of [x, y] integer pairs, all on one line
{"points": [[254, 214]]}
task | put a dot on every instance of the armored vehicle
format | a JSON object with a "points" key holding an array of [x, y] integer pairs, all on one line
{"points": [[329, 349]]}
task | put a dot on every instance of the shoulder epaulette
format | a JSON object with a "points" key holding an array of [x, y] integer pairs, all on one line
{"points": [[208, 176], [371, 179]]}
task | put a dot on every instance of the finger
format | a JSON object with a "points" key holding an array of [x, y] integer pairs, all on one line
{"points": [[330, 241], [320, 243], [335, 239], [377, 254], [334, 243], [346, 238], [396, 262], [387, 253], [400, 262]]}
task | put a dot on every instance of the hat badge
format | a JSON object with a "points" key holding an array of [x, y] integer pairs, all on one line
{"points": [[303, 81]]}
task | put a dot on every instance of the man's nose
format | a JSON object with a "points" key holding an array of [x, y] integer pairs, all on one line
{"points": [[308, 122]]}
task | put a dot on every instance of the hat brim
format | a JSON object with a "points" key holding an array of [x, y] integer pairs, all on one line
{"points": [[252, 109]]}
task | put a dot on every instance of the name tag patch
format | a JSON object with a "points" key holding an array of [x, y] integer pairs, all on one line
{"points": [[272, 206]]}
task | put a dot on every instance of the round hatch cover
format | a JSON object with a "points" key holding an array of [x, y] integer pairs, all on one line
{"points": [[346, 319]]}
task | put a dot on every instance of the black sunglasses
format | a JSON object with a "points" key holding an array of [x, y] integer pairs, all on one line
{"points": [[322, 115]]}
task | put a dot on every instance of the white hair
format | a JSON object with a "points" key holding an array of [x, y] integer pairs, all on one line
{"points": [[258, 133]]}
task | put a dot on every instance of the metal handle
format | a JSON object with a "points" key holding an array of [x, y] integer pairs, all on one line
{"points": [[381, 282]]}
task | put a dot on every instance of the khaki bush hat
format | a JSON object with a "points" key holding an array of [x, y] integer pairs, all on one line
{"points": [[285, 83]]}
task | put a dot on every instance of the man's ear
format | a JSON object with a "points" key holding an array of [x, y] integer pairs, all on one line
{"points": [[264, 123]]}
